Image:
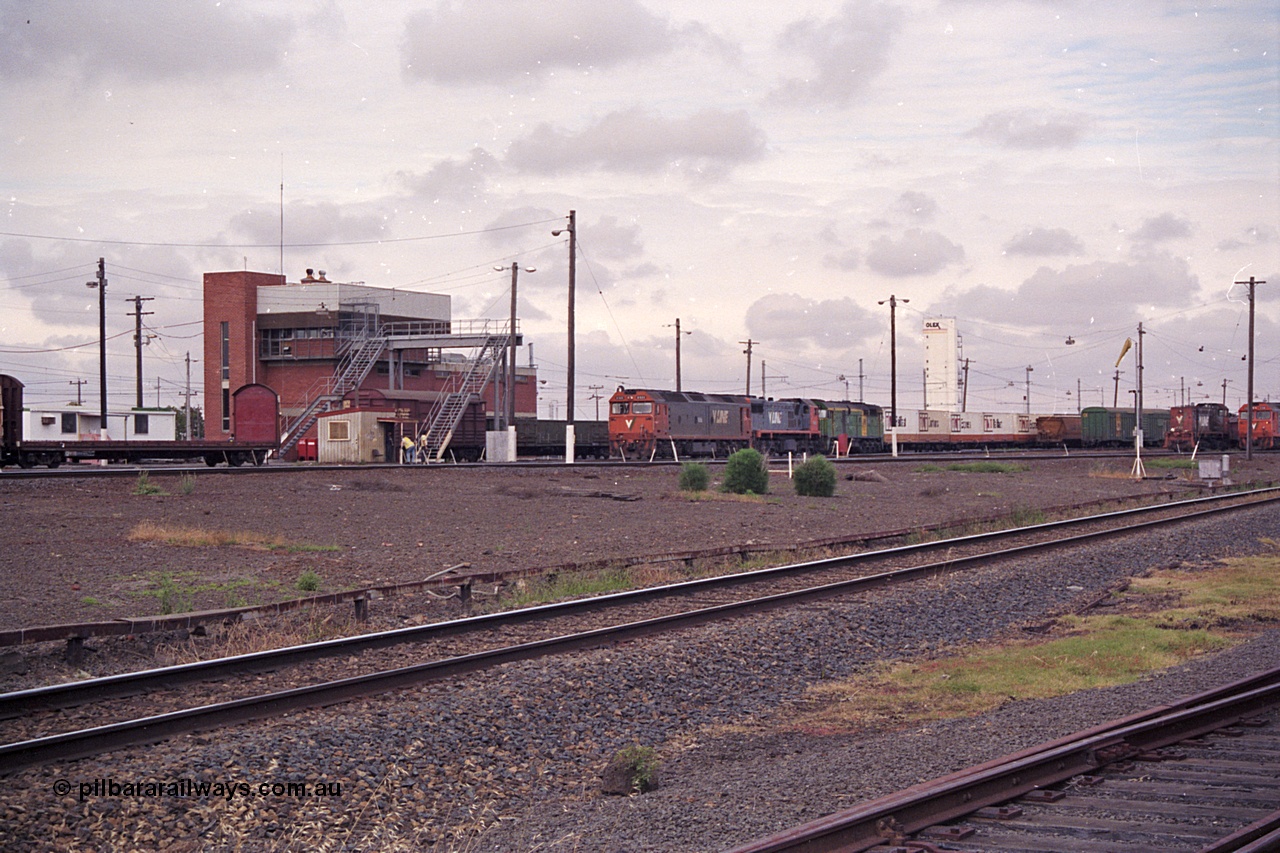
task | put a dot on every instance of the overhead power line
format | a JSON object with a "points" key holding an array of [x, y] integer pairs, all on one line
{"points": [[377, 242]]}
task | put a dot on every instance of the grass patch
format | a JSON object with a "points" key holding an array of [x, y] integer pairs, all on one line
{"points": [[988, 467], [177, 593], [973, 468], [198, 537], [144, 486], [568, 585], [308, 581], [725, 496], [1169, 462], [1163, 620]]}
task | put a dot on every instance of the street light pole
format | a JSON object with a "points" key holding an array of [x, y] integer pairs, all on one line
{"points": [[101, 285], [509, 404], [1030, 369], [573, 260]]}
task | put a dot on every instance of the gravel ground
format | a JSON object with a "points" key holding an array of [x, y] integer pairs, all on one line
{"points": [[511, 760], [68, 554]]}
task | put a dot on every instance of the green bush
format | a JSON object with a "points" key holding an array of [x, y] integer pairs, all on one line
{"points": [[746, 473], [308, 581], [816, 478], [694, 477]]}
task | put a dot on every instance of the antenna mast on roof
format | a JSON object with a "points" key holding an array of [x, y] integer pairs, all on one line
{"points": [[281, 213]]}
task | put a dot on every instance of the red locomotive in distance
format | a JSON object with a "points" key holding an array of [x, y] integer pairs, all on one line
{"points": [[1266, 426], [1208, 425]]}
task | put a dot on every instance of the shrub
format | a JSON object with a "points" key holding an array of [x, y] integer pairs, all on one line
{"points": [[632, 770], [308, 581], [746, 473], [694, 477], [144, 486], [816, 478]]}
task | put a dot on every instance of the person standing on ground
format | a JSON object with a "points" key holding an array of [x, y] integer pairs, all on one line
{"points": [[406, 449]]}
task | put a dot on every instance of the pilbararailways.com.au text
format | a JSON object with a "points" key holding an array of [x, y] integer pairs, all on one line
{"points": [[193, 788]]}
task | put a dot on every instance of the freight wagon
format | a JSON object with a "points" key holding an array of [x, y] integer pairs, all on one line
{"points": [[536, 437], [1103, 426], [1059, 431]]}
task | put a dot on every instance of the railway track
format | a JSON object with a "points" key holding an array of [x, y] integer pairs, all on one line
{"points": [[38, 719], [133, 470], [1198, 776]]}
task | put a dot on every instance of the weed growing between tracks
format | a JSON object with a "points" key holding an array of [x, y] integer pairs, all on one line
{"points": [[1161, 620]]}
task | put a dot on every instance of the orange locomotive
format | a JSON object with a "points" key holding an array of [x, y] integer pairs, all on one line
{"points": [[1266, 426]]}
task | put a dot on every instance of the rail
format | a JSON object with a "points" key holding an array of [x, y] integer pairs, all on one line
{"points": [[78, 744]]}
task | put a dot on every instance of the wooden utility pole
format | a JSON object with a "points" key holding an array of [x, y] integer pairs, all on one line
{"points": [[678, 335], [573, 260], [101, 285], [893, 357], [138, 340], [1248, 435]]}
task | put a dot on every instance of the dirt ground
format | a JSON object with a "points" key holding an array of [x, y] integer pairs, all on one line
{"points": [[75, 549]]}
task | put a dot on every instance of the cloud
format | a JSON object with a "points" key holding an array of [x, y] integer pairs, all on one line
{"points": [[1074, 297], [796, 319], [611, 240], [846, 260], [706, 144], [153, 40], [847, 52], [1028, 129], [499, 41], [917, 253], [1160, 228], [1257, 235], [917, 206], [452, 179], [1040, 242], [324, 222]]}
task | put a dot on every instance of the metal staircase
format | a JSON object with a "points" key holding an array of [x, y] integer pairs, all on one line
{"points": [[359, 353], [446, 414]]}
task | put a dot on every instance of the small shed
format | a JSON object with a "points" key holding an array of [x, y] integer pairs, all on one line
{"points": [[353, 436]]}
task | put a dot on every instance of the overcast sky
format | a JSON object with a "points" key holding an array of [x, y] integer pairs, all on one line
{"points": [[764, 171]]}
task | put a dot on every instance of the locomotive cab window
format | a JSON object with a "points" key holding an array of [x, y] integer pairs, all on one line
{"points": [[642, 408], [619, 408]]}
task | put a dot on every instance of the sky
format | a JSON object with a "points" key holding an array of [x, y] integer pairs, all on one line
{"points": [[1050, 173]]}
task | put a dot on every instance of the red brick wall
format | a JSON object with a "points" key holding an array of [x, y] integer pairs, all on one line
{"points": [[230, 297]]}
